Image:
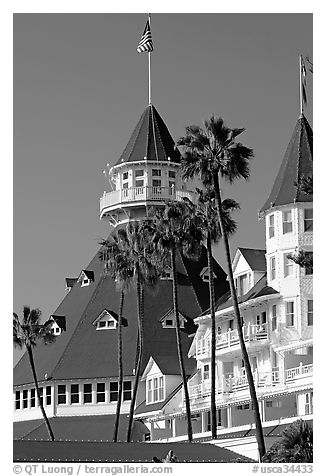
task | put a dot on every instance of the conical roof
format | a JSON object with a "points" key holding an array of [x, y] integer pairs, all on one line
{"points": [[151, 139], [81, 351], [296, 163]]}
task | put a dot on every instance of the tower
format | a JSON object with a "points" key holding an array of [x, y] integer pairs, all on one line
{"points": [[288, 214], [146, 174]]}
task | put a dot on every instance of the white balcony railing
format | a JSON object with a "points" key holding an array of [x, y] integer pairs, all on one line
{"points": [[251, 332], [135, 194], [230, 383]]}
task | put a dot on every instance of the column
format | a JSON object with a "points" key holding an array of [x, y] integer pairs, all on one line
{"points": [[261, 405], [229, 416]]}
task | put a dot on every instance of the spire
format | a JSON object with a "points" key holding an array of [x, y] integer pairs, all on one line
{"points": [[296, 163], [150, 139]]}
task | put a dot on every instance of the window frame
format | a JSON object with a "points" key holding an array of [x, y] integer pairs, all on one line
{"points": [[310, 313], [274, 317], [33, 397], [74, 395], [290, 315], [25, 399], [48, 395], [87, 394], [113, 392], [271, 226], [18, 405], [155, 389], [272, 268], [100, 393], [156, 173], [62, 395], [126, 391], [308, 221], [288, 264], [287, 223]]}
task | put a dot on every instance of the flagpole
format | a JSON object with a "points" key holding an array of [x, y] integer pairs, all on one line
{"points": [[300, 89], [149, 67]]}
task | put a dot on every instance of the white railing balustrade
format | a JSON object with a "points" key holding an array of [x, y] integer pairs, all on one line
{"points": [[298, 372], [232, 383], [251, 333], [143, 193]]}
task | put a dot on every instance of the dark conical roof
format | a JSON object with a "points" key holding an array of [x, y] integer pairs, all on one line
{"points": [[297, 162], [84, 352], [151, 139]]}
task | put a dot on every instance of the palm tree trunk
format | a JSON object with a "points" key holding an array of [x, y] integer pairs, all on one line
{"points": [[213, 339], [31, 361], [140, 314], [179, 343], [120, 365], [252, 390]]}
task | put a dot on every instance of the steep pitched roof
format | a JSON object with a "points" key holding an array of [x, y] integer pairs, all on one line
{"points": [[255, 258], [98, 359], [258, 290], [297, 161], [151, 139]]}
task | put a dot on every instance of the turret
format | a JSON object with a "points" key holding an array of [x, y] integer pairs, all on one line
{"points": [[146, 174]]}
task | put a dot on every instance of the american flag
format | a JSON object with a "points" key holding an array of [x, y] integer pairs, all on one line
{"points": [[146, 43]]}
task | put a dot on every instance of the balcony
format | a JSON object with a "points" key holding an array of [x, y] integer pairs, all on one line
{"points": [[141, 194], [252, 333], [264, 381]]}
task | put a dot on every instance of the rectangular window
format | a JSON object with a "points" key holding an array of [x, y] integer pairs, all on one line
{"points": [[172, 174], [156, 183], [87, 398], [287, 222], [100, 393], [62, 396], [139, 183], [101, 324], [272, 267], [127, 388], [271, 226], [48, 396], [25, 398], [41, 394], [139, 173], [156, 172], [161, 389], [310, 313], [17, 399], [114, 390], [288, 266], [74, 393], [125, 176], [309, 256], [125, 185], [206, 372], [289, 318], [155, 389], [33, 393], [149, 391], [308, 219], [274, 317]]}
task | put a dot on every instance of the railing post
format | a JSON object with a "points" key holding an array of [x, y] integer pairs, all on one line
{"points": [[300, 368], [229, 338]]}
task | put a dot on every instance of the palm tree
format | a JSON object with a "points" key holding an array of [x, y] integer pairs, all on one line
{"points": [[174, 228], [135, 247], [211, 153], [26, 333], [296, 445], [206, 213], [118, 267]]}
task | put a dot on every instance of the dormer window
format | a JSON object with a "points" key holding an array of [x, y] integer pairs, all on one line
{"points": [[155, 389], [204, 274], [242, 284], [169, 320], [108, 320], [70, 282], [86, 277], [59, 324], [166, 274]]}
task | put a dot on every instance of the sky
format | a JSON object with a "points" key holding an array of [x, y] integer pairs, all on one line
{"points": [[79, 88]]}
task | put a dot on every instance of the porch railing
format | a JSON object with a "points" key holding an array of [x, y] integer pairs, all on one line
{"points": [[232, 383], [251, 333]]}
